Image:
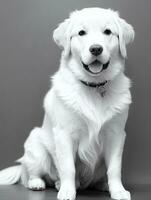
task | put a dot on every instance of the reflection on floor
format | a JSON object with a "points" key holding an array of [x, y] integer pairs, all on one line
{"points": [[18, 192]]}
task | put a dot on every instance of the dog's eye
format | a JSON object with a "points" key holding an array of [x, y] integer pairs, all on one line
{"points": [[107, 32], [82, 32]]}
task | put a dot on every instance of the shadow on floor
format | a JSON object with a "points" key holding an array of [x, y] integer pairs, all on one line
{"points": [[18, 192]]}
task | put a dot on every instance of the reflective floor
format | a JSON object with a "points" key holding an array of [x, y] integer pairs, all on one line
{"points": [[17, 192]]}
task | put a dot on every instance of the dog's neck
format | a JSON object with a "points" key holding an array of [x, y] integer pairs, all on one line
{"points": [[99, 86]]}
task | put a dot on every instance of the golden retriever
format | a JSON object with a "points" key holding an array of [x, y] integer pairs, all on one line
{"points": [[80, 143]]}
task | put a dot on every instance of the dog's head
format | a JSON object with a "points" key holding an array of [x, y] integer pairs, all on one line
{"points": [[94, 42]]}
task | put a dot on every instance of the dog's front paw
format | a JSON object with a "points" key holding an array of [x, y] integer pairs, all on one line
{"points": [[66, 192], [36, 184], [121, 195]]}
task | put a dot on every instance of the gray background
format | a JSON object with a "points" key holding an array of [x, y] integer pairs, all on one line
{"points": [[28, 57]]}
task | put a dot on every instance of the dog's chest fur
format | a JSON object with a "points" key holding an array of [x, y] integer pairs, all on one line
{"points": [[89, 110], [89, 102]]}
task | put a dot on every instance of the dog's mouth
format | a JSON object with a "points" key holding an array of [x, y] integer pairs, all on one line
{"points": [[96, 67]]}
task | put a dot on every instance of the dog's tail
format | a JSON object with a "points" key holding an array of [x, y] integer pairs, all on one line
{"points": [[10, 175]]}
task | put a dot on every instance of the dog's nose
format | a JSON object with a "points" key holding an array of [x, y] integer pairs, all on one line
{"points": [[96, 49]]}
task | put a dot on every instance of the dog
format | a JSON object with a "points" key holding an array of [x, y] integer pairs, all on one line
{"points": [[81, 140]]}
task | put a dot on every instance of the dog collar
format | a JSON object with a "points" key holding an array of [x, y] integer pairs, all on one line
{"points": [[94, 85]]}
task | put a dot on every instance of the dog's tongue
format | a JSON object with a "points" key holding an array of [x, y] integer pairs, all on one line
{"points": [[95, 66]]}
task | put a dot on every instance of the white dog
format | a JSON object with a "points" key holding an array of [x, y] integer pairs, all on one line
{"points": [[85, 111]]}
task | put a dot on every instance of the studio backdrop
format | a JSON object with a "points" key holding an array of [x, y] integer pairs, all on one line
{"points": [[28, 57]]}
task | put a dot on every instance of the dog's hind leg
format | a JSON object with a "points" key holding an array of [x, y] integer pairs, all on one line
{"points": [[36, 160]]}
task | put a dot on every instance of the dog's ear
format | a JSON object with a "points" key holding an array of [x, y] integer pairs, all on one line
{"points": [[126, 35], [61, 36]]}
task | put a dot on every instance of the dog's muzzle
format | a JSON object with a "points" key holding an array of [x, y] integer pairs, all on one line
{"points": [[96, 67]]}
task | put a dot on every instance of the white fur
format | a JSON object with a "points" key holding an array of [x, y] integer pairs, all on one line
{"points": [[81, 127]]}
